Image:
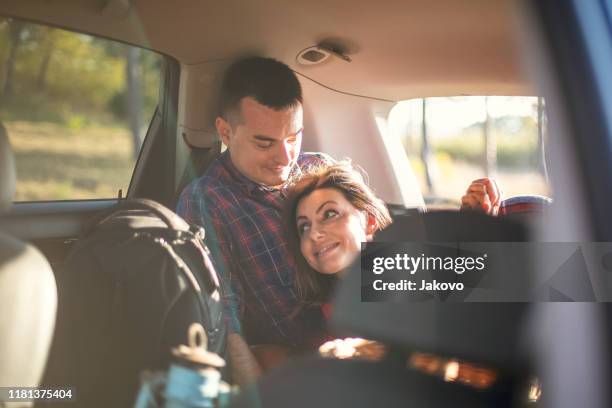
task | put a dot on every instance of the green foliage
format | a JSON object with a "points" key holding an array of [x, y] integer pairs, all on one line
{"points": [[117, 105], [76, 122], [62, 77], [516, 139], [467, 147]]}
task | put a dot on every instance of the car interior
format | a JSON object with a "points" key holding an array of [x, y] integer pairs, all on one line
{"points": [[374, 55]]}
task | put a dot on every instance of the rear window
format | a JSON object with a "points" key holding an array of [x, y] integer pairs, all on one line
{"points": [[76, 109], [451, 141]]}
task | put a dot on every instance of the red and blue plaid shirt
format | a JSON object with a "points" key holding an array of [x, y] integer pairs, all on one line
{"points": [[244, 231]]}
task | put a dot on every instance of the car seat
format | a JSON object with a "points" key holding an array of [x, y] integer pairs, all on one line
{"points": [[28, 296]]}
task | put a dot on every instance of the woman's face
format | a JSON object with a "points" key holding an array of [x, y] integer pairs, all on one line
{"points": [[331, 230]]}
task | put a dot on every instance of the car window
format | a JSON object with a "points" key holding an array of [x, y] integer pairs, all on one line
{"points": [[76, 108], [451, 141]]}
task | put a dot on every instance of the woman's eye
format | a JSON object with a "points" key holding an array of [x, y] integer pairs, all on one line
{"points": [[302, 228], [330, 214]]}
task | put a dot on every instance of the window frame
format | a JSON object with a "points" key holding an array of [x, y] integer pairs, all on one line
{"points": [[139, 170]]}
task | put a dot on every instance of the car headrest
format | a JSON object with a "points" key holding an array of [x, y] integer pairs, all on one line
{"points": [[453, 226], [484, 332], [7, 171]]}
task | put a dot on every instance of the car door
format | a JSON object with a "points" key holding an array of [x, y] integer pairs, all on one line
{"points": [[571, 55]]}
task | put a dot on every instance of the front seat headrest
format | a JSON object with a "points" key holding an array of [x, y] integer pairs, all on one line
{"points": [[7, 171], [28, 295], [482, 332]]}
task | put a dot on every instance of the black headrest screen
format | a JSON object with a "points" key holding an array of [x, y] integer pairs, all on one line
{"points": [[485, 332]]}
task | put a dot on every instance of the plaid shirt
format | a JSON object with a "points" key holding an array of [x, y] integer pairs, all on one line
{"points": [[245, 234]]}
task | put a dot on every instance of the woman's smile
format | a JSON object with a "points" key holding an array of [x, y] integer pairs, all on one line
{"points": [[327, 250]]}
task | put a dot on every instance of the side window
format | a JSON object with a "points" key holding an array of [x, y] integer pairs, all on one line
{"points": [[76, 109], [451, 141]]}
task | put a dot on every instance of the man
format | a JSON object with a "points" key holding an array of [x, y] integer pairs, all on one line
{"points": [[239, 202]]}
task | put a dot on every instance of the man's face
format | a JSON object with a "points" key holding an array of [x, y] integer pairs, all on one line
{"points": [[265, 144]]}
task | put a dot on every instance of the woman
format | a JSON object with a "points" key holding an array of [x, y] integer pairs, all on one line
{"points": [[329, 212]]}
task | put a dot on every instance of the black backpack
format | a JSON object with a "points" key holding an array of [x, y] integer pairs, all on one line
{"points": [[132, 285]]}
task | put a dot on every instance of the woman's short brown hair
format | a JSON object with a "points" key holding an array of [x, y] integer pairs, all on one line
{"points": [[314, 287]]}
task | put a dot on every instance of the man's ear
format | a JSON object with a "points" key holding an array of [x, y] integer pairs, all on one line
{"points": [[371, 226], [224, 129]]}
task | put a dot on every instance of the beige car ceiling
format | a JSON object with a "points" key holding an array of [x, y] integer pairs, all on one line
{"points": [[399, 49]]}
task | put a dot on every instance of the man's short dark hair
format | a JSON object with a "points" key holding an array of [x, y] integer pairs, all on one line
{"points": [[268, 81]]}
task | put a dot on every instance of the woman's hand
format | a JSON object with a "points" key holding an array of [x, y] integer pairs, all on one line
{"points": [[482, 195]]}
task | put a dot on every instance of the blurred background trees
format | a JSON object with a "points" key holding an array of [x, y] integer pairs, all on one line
{"points": [[75, 107], [57, 76], [453, 140]]}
